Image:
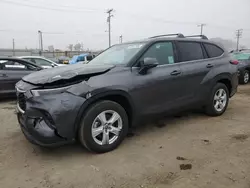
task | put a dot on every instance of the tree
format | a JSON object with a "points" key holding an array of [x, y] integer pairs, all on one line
{"points": [[70, 47], [78, 47]]}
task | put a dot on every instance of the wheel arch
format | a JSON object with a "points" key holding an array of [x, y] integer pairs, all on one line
{"points": [[224, 79], [119, 96]]}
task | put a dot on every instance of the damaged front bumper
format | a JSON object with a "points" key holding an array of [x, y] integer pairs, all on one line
{"points": [[50, 120]]}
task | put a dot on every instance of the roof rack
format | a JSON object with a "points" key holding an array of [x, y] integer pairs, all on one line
{"points": [[201, 36], [179, 35]]}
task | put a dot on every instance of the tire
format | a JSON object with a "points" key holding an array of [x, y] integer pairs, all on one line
{"points": [[244, 79], [210, 108], [95, 114]]}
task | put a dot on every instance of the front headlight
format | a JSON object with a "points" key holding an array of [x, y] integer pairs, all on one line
{"points": [[39, 92]]}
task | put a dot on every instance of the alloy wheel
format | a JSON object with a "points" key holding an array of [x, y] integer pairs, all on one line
{"points": [[220, 100], [246, 77], [106, 127]]}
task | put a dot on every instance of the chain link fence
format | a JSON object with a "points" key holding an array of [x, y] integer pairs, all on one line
{"points": [[47, 54]]}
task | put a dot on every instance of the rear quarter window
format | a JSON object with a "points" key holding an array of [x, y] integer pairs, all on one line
{"points": [[213, 50]]}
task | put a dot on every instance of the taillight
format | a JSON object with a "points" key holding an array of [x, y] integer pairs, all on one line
{"points": [[234, 62]]}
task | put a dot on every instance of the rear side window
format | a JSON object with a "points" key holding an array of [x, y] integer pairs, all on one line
{"points": [[13, 65], [213, 51], [89, 58], [190, 51], [42, 62]]}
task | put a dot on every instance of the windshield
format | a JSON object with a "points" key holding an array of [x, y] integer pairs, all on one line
{"points": [[242, 56], [119, 54]]}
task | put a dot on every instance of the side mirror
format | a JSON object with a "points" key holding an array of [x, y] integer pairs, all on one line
{"points": [[146, 64]]}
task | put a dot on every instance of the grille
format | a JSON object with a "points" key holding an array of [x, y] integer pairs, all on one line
{"points": [[21, 100]]}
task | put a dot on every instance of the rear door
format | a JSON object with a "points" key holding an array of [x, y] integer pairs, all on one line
{"points": [[194, 68], [10, 73]]}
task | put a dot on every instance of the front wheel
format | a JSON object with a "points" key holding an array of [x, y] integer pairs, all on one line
{"points": [[218, 100], [103, 127]]}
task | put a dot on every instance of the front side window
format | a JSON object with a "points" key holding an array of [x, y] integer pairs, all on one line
{"points": [[213, 51], [163, 52], [190, 51], [42, 62], [118, 54]]}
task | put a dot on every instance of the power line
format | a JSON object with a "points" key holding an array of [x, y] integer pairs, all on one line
{"points": [[64, 8], [44, 8], [109, 12]]}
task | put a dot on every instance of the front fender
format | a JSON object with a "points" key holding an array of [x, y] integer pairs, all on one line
{"points": [[96, 95]]}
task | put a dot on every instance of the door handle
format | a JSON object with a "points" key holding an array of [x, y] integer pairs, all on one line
{"points": [[175, 72], [3, 75], [209, 65]]}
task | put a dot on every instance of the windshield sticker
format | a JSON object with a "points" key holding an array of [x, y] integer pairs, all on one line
{"points": [[135, 46], [170, 59]]}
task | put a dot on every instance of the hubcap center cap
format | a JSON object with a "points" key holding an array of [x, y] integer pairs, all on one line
{"points": [[106, 126]]}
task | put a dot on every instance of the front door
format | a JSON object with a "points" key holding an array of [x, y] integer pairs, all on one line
{"points": [[158, 90]]}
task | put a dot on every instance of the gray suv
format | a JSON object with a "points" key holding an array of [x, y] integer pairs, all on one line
{"points": [[96, 103]]}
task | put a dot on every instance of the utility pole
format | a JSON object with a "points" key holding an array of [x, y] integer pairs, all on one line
{"points": [[201, 26], [40, 34], [13, 46], [238, 36], [121, 37], [109, 12]]}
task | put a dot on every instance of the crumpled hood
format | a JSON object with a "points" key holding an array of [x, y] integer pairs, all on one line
{"points": [[65, 72]]}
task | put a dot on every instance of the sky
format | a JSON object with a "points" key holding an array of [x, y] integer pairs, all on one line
{"points": [[65, 22]]}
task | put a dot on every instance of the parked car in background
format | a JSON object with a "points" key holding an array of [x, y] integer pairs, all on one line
{"points": [[11, 71], [63, 60], [244, 65], [83, 58], [41, 61], [126, 84]]}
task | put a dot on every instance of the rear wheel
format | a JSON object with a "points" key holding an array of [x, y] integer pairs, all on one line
{"points": [[218, 100], [244, 79], [103, 127]]}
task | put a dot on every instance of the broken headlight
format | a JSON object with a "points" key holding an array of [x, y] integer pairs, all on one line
{"points": [[39, 92]]}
